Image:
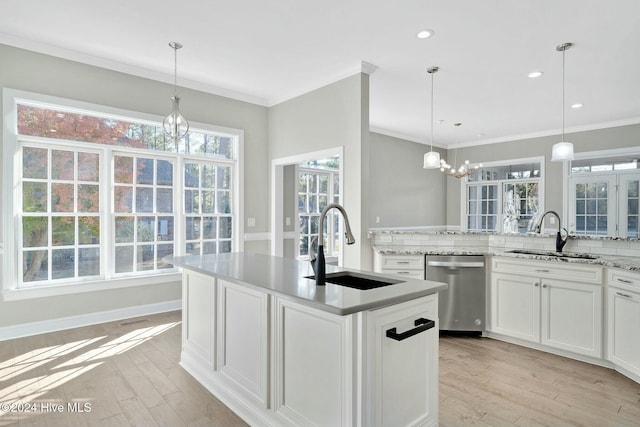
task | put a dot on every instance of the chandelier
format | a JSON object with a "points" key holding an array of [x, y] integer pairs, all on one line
{"points": [[175, 125], [465, 169]]}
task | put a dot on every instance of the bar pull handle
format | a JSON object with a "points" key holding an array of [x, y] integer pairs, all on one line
{"points": [[402, 272], [624, 281], [542, 271], [402, 262], [421, 324], [623, 295]]}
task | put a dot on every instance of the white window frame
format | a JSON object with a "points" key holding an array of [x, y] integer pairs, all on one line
{"points": [[11, 198], [619, 222], [464, 183], [329, 231]]}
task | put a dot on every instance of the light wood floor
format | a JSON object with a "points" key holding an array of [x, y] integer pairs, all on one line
{"points": [[128, 373]]}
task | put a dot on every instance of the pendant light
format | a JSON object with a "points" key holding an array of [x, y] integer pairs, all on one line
{"points": [[432, 158], [175, 125], [562, 150]]}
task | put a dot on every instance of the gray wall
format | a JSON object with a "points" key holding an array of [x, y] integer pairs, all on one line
{"points": [[34, 72], [334, 115], [601, 139], [402, 192]]}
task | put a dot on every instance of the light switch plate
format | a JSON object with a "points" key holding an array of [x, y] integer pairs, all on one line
{"points": [[251, 222]]}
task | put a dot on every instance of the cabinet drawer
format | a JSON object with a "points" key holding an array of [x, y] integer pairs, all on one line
{"points": [[553, 270], [407, 274], [404, 262], [628, 279]]}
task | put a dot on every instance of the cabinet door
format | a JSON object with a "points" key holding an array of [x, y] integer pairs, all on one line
{"points": [[572, 316], [515, 306], [624, 324], [198, 323], [403, 368], [243, 340], [314, 370]]}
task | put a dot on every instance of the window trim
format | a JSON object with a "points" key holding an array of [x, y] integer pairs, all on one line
{"points": [[9, 209], [464, 208]]}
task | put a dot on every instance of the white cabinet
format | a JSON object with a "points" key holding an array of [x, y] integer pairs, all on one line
{"points": [[555, 305], [407, 266], [274, 361], [403, 364], [624, 321]]}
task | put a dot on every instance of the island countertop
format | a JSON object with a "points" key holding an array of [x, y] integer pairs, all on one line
{"points": [[285, 277]]}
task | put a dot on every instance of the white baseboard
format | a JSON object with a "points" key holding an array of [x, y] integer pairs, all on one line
{"points": [[62, 323]]}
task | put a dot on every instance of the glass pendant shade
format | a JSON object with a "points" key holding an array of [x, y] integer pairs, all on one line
{"points": [[175, 125], [432, 160], [562, 151]]}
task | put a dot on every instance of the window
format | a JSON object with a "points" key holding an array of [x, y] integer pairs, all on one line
{"points": [[503, 197], [603, 194], [102, 195], [318, 186]]}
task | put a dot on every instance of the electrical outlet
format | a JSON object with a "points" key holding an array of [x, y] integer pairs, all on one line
{"points": [[251, 222], [552, 220], [287, 221], [377, 220]]}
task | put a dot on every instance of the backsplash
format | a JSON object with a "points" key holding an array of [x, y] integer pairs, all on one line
{"points": [[422, 237]]}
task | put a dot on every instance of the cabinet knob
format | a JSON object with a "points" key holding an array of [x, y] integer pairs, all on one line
{"points": [[536, 284], [544, 286]]}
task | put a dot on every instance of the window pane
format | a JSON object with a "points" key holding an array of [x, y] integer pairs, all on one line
{"points": [[193, 228], [62, 198], [191, 201], [224, 177], [124, 229], [88, 167], [225, 227], [124, 259], [208, 201], [209, 227], [146, 229], [63, 231], [35, 266], [34, 163], [144, 168], [123, 170], [88, 262], [209, 248], [165, 173], [88, 198], [191, 175], [146, 258], [144, 200], [62, 165], [208, 176], [123, 199], [193, 248], [88, 230], [63, 263], [223, 202], [164, 199], [35, 232], [34, 197], [165, 228], [163, 251]]}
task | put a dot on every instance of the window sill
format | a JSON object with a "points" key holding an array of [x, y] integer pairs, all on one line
{"points": [[17, 294]]}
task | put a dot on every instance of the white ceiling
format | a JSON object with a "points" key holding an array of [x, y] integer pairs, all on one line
{"points": [[270, 51]]}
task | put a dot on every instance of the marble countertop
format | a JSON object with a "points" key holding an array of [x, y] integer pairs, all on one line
{"points": [[613, 261], [285, 277]]}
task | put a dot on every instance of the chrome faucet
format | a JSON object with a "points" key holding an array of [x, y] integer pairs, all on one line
{"points": [[560, 241], [317, 261]]}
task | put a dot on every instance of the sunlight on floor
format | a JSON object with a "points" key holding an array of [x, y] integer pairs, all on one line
{"points": [[39, 383]]}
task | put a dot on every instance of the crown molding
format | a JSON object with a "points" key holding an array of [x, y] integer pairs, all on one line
{"points": [[108, 64], [404, 136]]}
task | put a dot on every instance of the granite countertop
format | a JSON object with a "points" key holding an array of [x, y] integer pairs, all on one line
{"points": [[285, 277], [614, 261]]}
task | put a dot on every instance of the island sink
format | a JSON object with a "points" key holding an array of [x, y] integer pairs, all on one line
{"points": [[359, 281]]}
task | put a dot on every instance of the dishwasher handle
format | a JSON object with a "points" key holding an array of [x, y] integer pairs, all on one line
{"points": [[455, 264]]}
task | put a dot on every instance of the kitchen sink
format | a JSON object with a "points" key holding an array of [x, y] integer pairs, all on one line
{"points": [[553, 254], [359, 281]]}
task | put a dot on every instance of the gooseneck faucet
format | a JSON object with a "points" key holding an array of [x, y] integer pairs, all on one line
{"points": [[560, 242], [317, 261]]}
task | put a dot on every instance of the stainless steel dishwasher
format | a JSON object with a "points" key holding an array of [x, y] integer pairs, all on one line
{"points": [[462, 306]]}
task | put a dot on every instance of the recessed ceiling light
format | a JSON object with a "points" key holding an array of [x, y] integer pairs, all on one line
{"points": [[426, 33], [576, 105], [535, 74]]}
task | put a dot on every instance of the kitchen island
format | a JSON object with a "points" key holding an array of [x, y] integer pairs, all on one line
{"points": [[279, 350]]}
